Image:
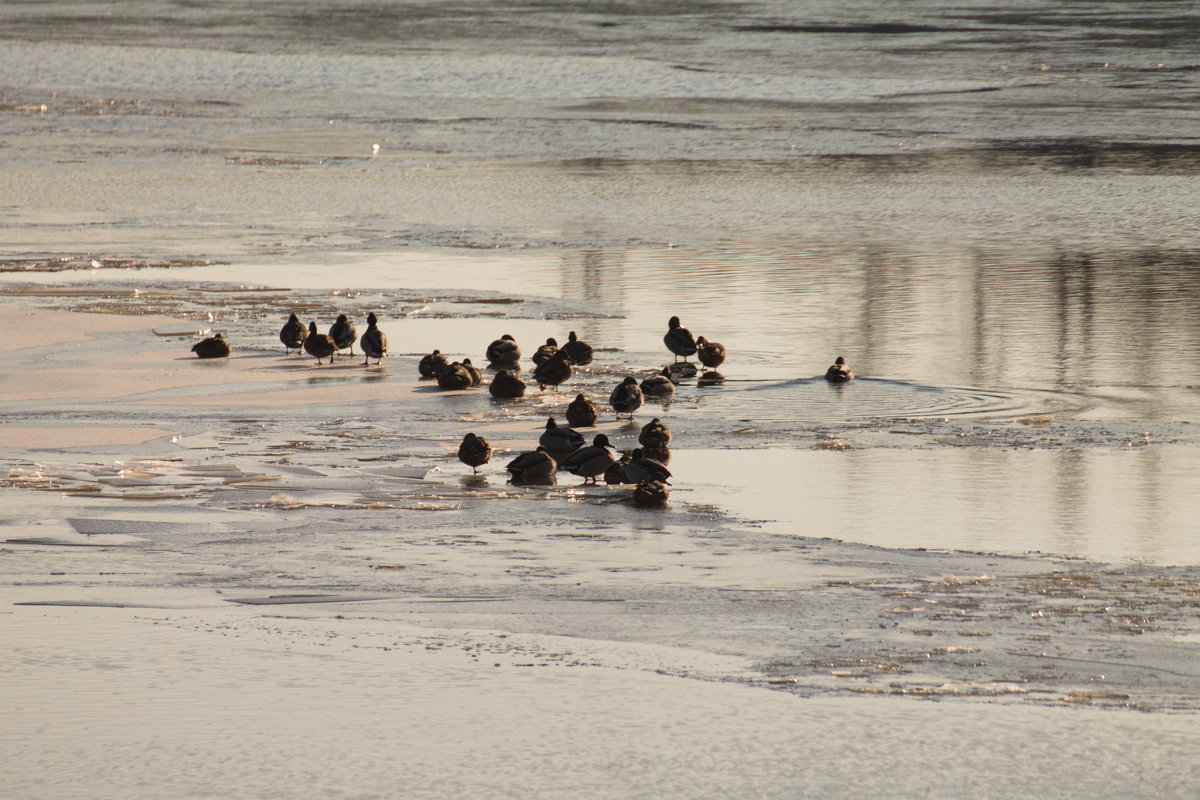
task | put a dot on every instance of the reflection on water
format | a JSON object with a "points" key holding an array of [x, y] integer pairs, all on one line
{"points": [[969, 316], [1095, 504]]}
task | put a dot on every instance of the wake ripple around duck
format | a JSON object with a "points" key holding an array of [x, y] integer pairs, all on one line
{"points": [[817, 401]]}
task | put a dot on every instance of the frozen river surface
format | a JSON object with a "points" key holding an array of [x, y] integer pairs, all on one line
{"points": [[972, 571]]}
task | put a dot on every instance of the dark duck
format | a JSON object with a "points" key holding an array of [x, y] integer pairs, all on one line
{"points": [[503, 352], [343, 333], [373, 343], [213, 347], [293, 334], [474, 451], [626, 398], [678, 339], [839, 372], [319, 345]]}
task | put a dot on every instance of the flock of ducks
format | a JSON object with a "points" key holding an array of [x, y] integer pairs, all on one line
{"points": [[560, 447]]}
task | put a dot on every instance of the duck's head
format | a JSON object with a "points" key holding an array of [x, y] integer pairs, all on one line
{"points": [[341, 318], [551, 424], [372, 319], [601, 440], [673, 322], [312, 327]]}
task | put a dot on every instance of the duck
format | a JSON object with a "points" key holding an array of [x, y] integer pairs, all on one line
{"points": [[580, 352], [660, 454], [431, 364], [546, 351], [343, 333], [373, 343], [554, 371], [212, 347], [535, 466], [506, 386], [710, 378], [455, 376], [616, 470], [643, 468], [839, 372], [681, 370], [559, 440], [626, 398], [582, 412], [592, 461], [655, 435], [292, 334], [711, 354], [650, 494], [319, 344], [504, 352], [474, 451], [678, 339], [473, 371], [659, 385]]}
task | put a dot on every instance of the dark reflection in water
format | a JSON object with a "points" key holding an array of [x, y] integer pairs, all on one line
{"points": [[969, 317]]}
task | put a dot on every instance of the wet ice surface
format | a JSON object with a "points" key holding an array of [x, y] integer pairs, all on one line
{"points": [[987, 210]]}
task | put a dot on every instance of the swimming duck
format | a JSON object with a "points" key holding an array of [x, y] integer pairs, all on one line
{"points": [[559, 440], [711, 354], [555, 371], [374, 342], [503, 352], [343, 333], [679, 339], [626, 398], [839, 372], [475, 451], [506, 386], [455, 376], [213, 347], [319, 344], [582, 412], [473, 371], [592, 461], [546, 351], [580, 352], [536, 466], [655, 435], [292, 334], [659, 385], [430, 365], [650, 494], [643, 468]]}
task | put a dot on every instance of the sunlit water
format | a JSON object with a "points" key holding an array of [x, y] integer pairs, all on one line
{"points": [[987, 210]]}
